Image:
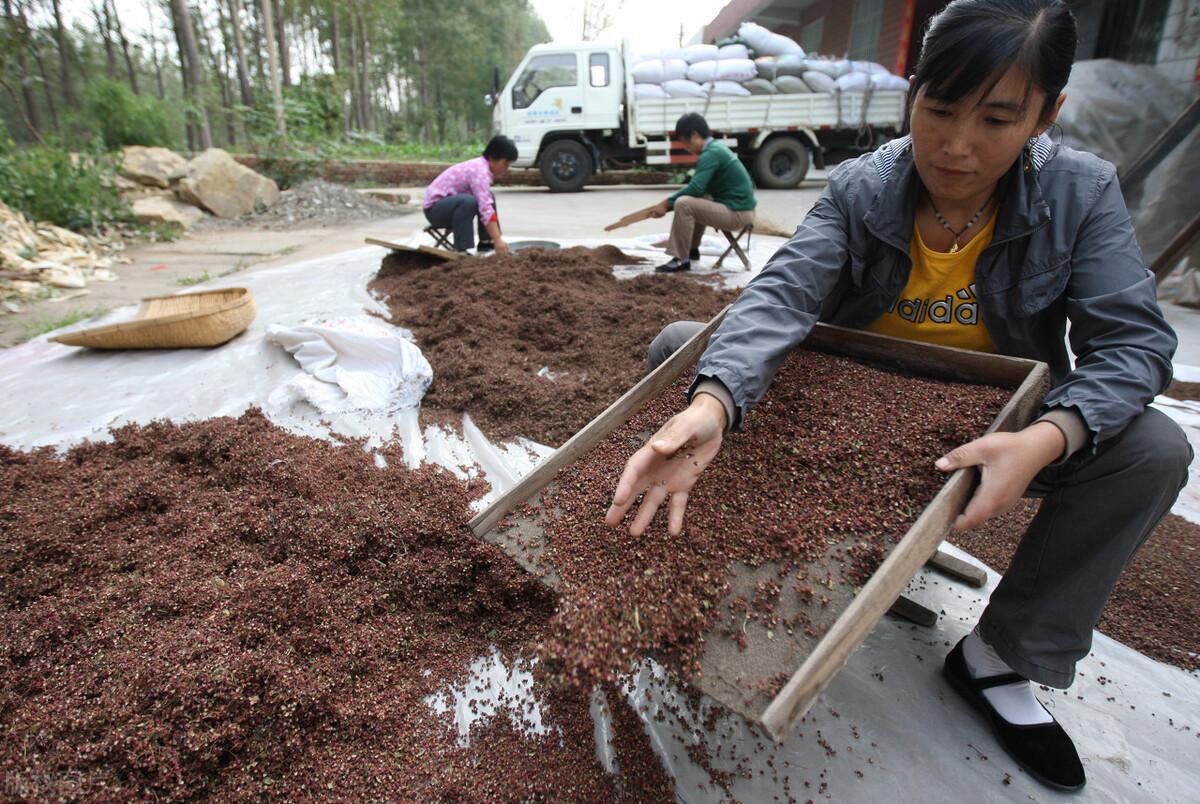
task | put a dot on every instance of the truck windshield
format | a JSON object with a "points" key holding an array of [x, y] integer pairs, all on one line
{"points": [[541, 73]]}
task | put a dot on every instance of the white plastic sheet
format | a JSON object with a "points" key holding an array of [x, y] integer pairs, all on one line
{"points": [[352, 363], [898, 732]]}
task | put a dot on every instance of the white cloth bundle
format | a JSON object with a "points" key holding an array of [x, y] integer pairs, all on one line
{"points": [[682, 88], [729, 89], [790, 64], [760, 86], [791, 85], [854, 82], [767, 43], [732, 70], [891, 83], [833, 69], [733, 51], [659, 71], [695, 53], [870, 68], [819, 82], [767, 66], [649, 91]]}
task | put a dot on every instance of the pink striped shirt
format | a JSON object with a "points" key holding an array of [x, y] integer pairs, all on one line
{"points": [[473, 176]]}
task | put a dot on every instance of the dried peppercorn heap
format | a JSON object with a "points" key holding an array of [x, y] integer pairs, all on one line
{"points": [[489, 326], [832, 468], [222, 609]]}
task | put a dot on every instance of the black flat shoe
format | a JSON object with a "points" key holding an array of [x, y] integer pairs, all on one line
{"points": [[674, 266], [1044, 750]]}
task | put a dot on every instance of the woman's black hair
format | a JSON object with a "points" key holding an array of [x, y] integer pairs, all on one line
{"points": [[972, 43], [500, 147], [692, 123]]}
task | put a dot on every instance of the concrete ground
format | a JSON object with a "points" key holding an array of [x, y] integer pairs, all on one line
{"points": [[163, 268]]}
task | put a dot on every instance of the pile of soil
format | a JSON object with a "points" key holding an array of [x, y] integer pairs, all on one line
{"points": [[838, 453], [225, 609], [536, 343], [1155, 607], [314, 203]]}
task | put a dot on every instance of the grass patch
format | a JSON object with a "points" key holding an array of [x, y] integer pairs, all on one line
{"points": [[43, 324], [188, 281]]}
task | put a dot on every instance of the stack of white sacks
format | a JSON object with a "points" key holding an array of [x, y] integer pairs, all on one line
{"points": [[779, 66]]}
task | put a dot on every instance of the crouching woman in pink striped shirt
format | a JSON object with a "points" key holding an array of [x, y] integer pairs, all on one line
{"points": [[462, 193]]}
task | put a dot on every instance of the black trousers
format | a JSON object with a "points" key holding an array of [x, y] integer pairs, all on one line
{"points": [[458, 213]]}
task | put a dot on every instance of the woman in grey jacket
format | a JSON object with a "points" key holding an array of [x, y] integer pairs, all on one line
{"points": [[1043, 236]]}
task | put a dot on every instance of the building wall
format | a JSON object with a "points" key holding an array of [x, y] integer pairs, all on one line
{"points": [[1179, 52]]}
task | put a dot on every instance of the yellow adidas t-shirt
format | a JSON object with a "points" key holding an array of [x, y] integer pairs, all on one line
{"points": [[938, 304]]}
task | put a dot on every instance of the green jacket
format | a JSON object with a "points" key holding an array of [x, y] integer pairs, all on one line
{"points": [[720, 174]]}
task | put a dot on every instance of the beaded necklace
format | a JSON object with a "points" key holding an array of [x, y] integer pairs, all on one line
{"points": [[937, 214]]}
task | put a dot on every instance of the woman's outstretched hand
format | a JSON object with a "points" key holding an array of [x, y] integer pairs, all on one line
{"points": [[1007, 465], [669, 464]]}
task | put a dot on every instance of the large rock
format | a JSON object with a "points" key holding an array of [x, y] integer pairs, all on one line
{"points": [[157, 167], [225, 188], [157, 209]]}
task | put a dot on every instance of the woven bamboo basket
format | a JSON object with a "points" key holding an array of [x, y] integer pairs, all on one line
{"points": [[207, 318]]}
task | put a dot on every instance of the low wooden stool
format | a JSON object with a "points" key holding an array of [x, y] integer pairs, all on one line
{"points": [[441, 237], [735, 246]]}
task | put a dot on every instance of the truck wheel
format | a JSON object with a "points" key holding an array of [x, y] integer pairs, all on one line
{"points": [[566, 166], [781, 164]]}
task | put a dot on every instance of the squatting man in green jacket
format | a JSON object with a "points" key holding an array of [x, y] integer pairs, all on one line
{"points": [[720, 194]]}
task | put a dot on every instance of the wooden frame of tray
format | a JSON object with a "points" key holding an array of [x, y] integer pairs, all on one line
{"points": [[445, 254], [734, 677]]}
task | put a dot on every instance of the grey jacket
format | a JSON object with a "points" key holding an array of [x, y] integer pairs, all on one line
{"points": [[1063, 249]]}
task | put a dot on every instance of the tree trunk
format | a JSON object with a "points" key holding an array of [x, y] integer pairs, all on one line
{"points": [[335, 50], [153, 39], [116, 19], [64, 57], [239, 53], [355, 107], [284, 58], [36, 52], [32, 119], [364, 56], [104, 29], [190, 70], [222, 80], [273, 68]]}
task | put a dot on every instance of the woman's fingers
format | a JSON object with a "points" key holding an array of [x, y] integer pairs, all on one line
{"points": [[650, 502], [634, 480], [675, 509]]}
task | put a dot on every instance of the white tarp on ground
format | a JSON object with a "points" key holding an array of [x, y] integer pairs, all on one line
{"points": [[352, 363], [899, 733]]}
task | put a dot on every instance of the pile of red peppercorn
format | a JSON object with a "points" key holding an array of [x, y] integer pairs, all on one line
{"points": [[536, 343], [222, 609], [835, 464]]}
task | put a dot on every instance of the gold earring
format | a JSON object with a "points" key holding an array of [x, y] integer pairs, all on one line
{"points": [[1029, 157]]}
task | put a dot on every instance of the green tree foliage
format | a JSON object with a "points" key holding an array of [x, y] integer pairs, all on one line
{"points": [[123, 118], [73, 190]]}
